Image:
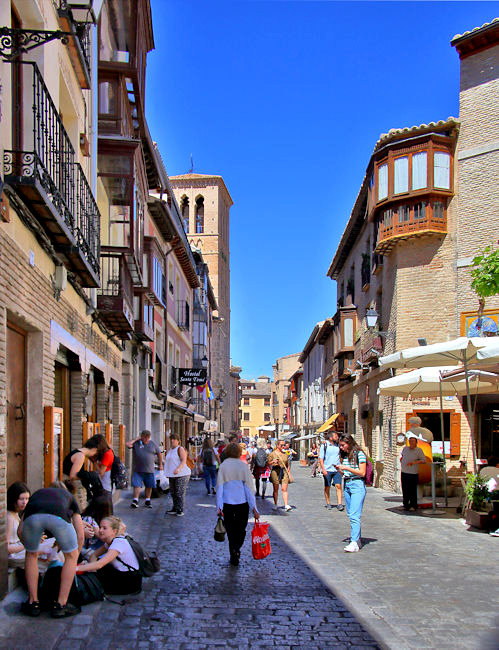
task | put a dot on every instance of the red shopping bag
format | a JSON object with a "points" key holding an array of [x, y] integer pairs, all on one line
{"points": [[260, 541]]}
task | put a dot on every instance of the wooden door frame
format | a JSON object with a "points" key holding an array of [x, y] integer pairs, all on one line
{"points": [[24, 334]]}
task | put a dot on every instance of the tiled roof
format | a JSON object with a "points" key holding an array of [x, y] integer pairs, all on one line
{"points": [[421, 129], [457, 37], [177, 180]]}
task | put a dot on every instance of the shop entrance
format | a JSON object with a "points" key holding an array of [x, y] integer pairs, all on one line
{"points": [[16, 404]]}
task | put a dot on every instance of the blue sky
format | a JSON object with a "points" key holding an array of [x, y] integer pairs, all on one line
{"points": [[286, 101]]}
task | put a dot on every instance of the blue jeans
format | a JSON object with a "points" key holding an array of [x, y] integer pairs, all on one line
{"points": [[210, 476], [355, 493]]}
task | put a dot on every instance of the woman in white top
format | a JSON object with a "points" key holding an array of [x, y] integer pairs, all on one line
{"points": [[235, 496], [17, 498], [115, 563], [178, 473]]}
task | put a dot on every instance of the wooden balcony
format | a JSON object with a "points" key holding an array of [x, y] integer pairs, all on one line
{"points": [[144, 318], [393, 231], [115, 297]]}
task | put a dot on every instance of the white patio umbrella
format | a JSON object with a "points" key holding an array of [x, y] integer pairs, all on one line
{"points": [[459, 351], [427, 382], [489, 355]]}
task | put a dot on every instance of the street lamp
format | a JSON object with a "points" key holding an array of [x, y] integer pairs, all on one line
{"points": [[204, 362], [372, 319]]}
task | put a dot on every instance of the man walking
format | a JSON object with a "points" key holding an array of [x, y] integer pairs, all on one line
{"points": [[329, 457], [144, 451]]}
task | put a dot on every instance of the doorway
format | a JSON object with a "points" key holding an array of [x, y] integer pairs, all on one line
{"points": [[16, 404]]}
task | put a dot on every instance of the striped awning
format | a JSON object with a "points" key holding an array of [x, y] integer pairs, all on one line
{"points": [[328, 423]]}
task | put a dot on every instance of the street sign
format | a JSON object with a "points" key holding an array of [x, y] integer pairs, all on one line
{"points": [[192, 376]]}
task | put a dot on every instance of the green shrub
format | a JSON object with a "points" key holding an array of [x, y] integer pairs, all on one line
{"points": [[476, 490]]}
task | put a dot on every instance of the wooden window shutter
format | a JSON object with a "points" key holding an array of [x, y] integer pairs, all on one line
{"points": [[455, 434]]}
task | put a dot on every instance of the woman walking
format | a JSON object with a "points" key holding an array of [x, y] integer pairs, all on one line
{"points": [[178, 473], [209, 458], [278, 461], [234, 498], [353, 467], [313, 457]]}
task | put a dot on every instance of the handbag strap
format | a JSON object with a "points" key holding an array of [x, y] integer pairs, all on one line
{"points": [[130, 568]]}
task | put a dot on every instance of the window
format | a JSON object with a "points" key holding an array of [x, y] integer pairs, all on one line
{"points": [[200, 214], [246, 432], [157, 277], [246, 401], [401, 175], [382, 182], [419, 173], [184, 207], [438, 210], [404, 213], [246, 416], [387, 218], [441, 170], [266, 401], [420, 210], [266, 417], [107, 98]]}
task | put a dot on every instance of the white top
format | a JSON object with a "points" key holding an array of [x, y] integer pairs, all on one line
{"points": [[14, 538], [125, 552], [235, 483], [172, 461]]}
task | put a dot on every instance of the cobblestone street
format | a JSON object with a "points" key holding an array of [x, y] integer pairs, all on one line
{"points": [[409, 595]]}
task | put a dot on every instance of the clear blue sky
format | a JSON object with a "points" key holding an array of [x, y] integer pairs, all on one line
{"points": [[286, 101]]}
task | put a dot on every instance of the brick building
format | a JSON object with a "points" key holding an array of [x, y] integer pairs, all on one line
{"points": [[415, 226], [205, 204], [283, 369]]}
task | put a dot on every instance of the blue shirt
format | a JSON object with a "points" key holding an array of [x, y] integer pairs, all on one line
{"points": [[330, 454], [233, 493]]}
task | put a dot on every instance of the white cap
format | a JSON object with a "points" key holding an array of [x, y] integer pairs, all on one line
{"points": [[411, 435]]}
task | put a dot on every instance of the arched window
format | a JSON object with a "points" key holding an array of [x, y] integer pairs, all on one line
{"points": [[184, 208], [200, 214]]}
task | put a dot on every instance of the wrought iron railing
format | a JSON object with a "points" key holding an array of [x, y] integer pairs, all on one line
{"points": [[48, 158], [81, 29]]}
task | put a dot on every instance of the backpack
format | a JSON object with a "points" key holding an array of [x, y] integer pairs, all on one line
{"points": [[207, 457], [369, 477], [148, 562], [119, 474], [92, 484], [85, 589], [260, 458]]}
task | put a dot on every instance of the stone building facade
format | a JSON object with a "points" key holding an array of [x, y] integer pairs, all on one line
{"points": [[205, 204], [283, 370], [417, 222]]}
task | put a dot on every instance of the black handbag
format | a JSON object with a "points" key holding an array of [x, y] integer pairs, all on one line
{"points": [[89, 588], [219, 534]]}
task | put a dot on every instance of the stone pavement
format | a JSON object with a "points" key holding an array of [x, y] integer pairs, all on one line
{"points": [[417, 583], [198, 600]]}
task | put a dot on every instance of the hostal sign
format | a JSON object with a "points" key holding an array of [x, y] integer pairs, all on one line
{"points": [[192, 376]]}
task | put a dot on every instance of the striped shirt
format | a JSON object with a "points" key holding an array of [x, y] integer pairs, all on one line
{"points": [[360, 458]]}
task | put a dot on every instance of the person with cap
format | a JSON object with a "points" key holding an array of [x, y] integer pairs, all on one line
{"points": [[144, 453], [410, 458]]}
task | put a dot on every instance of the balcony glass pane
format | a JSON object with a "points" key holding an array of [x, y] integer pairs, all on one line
{"points": [[382, 182], [114, 36], [107, 98], [403, 213], [115, 164], [419, 170], [441, 173], [348, 331], [401, 175]]}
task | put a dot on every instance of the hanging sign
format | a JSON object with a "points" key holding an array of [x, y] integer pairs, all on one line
{"points": [[192, 376]]}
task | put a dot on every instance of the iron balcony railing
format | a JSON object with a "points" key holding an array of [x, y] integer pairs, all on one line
{"points": [[82, 31], [47, 159], [116, 279]]}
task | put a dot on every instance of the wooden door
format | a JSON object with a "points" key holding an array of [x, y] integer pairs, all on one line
{"points": [[16, 404]]}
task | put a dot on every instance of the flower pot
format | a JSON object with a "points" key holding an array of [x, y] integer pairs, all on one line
{"points": [[477, 519]]}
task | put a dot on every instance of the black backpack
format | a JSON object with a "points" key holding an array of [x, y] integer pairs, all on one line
{"points": [[260, 458], [85, 589], [92, 484], [208, 457], [119, 474], [148, 562]]}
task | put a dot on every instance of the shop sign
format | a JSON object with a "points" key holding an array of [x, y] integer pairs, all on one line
{"points": [[192, 376]]}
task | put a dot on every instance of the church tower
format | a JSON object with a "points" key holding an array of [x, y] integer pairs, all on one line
{"points": [[205, 202]]}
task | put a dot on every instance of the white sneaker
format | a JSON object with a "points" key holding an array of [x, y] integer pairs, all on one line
{"points": [[287, 508], [353, 547], [275, 507]]}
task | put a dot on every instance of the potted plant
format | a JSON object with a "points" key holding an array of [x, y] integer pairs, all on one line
{"points": [[476, 495]]}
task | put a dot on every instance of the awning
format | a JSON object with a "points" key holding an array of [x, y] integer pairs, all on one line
{"points": [[289, 436], [328, 423], [267, 427], [308, 437]]}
